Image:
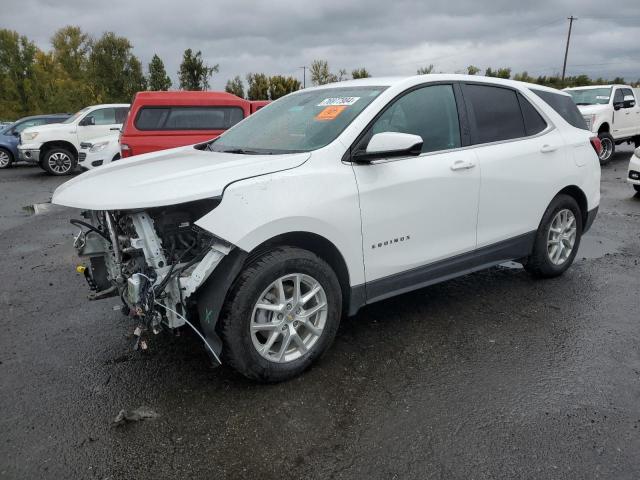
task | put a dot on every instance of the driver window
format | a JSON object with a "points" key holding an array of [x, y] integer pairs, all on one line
{"points": [[103, 116], [430, 112], [618, 97]]}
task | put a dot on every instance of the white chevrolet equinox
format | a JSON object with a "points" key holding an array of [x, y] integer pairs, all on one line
{"points": [[332, 198]]}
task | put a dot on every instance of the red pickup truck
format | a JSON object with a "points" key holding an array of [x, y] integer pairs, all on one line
{"points": [[160, 120]]}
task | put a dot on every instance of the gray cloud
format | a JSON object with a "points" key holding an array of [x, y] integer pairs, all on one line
{"points": [[386, 37]]}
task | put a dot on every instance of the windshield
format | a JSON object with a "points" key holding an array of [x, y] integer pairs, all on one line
{"points": [[75, 116], [590, 96], [301, 122]]}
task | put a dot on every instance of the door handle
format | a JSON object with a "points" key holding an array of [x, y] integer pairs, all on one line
{"points": [[546, 148], [462, 165]]}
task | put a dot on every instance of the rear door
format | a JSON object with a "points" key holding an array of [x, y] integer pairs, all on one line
{"points": [[417, 210], [518, 153]]}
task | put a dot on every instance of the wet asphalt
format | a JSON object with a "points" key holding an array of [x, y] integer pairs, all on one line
{"points": [[493, 375]]}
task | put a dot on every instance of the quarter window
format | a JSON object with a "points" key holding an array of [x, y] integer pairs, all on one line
{"points": [[533, 122], [564, 106], [429, 112], [188, 118], [495, 111]]}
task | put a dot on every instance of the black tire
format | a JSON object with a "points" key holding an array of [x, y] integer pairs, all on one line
{"points": [[539, 263], [609, 151], [50, 159], [6, 158], [239, 351], [636, 141], [637, 188]]}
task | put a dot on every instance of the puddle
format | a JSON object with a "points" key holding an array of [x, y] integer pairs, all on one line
{"points": [[593, 246], [41, 208]]}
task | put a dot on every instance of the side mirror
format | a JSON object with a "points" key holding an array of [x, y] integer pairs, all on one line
{"points": [[87, 121], [15, 133], [390, 144], [618, 105], [629, 101]]}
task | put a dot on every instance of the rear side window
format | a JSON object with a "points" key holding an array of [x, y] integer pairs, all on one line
{"points": [[121, 114], [188, 118], [495, 112], [564, 106], [533, 121]]}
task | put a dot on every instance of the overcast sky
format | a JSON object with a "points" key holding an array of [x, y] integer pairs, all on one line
{"points": [[392, 37]]}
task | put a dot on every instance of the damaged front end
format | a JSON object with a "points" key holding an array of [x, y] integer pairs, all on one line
{"points": [[154, 260]]}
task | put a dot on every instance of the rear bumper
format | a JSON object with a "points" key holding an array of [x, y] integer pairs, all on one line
{"points": [[591, 216]]}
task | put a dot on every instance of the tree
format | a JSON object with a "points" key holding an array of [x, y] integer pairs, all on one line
{"points": [[194, 74], [523, 77], [17, 55], [71, 49], [360, 73], [321, 75], [500, 73], [472, 70], [116, 74], [257, 86], [425, 70], [280, 86], [235, 86], [158, 78]]}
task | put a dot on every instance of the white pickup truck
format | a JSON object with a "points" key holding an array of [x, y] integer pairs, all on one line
{"points": [[56, 148], [611, 111]]}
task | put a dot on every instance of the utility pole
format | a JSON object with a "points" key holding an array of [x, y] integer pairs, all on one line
{"points": [[566, 51], [304, 76]]}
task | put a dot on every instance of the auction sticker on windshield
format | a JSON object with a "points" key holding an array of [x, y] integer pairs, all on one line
{"points": [[330, 113], [338, 101]]}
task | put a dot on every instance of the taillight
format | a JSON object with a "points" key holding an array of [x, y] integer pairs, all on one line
{"points": [[596, 144], [125, 151]]}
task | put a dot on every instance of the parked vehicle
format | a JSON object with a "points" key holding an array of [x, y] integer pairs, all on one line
{"points": [[161, 120], [10, 134], [332, 198], [99, 151], [55, 147], [611, 111], [633, 175]]}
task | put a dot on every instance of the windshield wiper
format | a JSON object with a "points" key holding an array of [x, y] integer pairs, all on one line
{"points": [[242, 151]]}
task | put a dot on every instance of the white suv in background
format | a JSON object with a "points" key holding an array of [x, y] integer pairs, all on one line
{"points": [[332, 198], [611, 111], [56, 147]]}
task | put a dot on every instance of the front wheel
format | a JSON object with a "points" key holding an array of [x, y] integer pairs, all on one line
{"points": [[608, 147], [6, 159], [59, 161], [282, 313], [557, 239]]}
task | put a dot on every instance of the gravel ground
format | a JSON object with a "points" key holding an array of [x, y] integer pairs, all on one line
{"points": [[493, 375]]}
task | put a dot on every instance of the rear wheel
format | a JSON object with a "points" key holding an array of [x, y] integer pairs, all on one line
{"points": [[6, 158], [59, 161], [557, 240], [608, 147], [282, 313]]}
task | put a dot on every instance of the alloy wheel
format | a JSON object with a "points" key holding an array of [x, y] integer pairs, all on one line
{"points": [[4, 159], [288, 318], [561, 237], [607, 148], [59, 162]]}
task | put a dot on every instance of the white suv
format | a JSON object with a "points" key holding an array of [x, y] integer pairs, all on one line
{"points": [[332, 198], [56, 148]]}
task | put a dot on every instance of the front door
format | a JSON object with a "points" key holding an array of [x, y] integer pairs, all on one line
{"points": [[100, 122], [417, 210]]}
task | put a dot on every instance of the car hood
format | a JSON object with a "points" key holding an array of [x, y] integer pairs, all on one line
{"points": [[166, 178], [48, 127], [593, 109]]}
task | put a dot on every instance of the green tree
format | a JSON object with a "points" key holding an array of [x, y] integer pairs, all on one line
{"points": [[425, 70], [523, 77], [472, 70], [280, 86], [115, 73], [158, 78], [360, 73], [17, 76], [235, 86], [194, 74], [321, 75], [71, 49], [257, 86]]}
